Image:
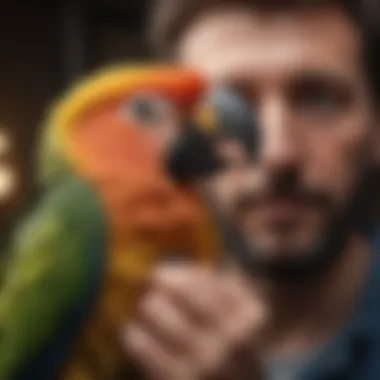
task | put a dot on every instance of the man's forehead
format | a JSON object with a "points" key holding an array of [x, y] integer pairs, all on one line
{"points": [[238, 41]]}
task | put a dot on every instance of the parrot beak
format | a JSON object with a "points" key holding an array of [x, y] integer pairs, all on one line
{"points": [[191, 156]]}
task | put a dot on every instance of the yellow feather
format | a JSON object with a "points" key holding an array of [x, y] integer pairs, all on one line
{"points": [[86, 94]]}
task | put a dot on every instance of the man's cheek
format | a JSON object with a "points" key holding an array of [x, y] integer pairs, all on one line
{"points": [[336, 160]]}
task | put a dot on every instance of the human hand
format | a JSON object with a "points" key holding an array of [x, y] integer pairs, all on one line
{"points": [[196, 324]]}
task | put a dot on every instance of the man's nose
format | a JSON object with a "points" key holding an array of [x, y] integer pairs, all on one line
{"points": [[280, 149]]}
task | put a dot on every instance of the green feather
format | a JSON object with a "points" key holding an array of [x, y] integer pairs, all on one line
{"points": [[48, 273]]}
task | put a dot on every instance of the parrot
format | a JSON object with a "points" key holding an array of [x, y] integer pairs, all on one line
{"points": [[113, 206]]}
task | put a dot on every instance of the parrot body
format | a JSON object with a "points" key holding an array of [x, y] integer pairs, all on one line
{"points": [[58, 285], [110, 214]]}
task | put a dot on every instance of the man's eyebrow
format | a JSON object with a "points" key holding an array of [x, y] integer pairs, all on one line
{"points": [[244, 83]]}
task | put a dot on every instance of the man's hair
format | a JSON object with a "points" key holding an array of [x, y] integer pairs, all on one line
{"points": [[169, 18]]}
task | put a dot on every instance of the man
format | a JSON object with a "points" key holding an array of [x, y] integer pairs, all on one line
{"points": [[306, 305]]}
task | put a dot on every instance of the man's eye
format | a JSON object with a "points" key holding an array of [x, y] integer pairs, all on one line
{"points": [[320, 98], [321, 101]]}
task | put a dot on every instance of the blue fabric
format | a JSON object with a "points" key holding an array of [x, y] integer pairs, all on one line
{"points": [[355, 353]]}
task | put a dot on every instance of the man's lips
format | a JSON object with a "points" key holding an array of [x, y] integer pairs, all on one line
{"points": [[277, 208]]}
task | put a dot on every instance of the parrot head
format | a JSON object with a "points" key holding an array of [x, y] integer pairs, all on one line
{"points": [[116, 131], [116, 118]]}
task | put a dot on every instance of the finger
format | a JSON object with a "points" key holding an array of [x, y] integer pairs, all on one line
{"points": [[210, 353], [238, 326], [197, 293], [179, 275], [246, 315], [167, 323], [196, 290], [154, 361], [215, 300]]}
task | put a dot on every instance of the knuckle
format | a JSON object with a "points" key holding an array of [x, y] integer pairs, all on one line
{"points": [[176, 272], [211, 353], [135, 341], [167, 275], [249, 308], [179, 279], [235, 290], [243, 323], [153, 360], [248, 323], [166, 320], [242, 289], [255, 314], [202, 301], [151, 304]]}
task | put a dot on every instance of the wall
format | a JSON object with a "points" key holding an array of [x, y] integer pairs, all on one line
{"points": [[45, 46]]}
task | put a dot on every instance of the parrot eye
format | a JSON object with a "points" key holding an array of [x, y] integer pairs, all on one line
{"points": [[149, 110]]}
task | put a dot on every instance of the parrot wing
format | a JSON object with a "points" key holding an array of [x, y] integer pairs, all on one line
{"points": [[57, 265]]}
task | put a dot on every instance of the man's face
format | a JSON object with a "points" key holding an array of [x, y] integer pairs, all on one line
{"points": [[303, 73]]}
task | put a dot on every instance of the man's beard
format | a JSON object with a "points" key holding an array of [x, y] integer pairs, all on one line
{"points": [[321, 255]]}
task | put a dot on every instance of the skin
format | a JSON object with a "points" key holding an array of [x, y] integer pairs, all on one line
{"points": [[193, 323]]}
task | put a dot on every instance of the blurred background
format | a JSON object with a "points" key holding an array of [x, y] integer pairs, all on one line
{"points": [[45, 46]]}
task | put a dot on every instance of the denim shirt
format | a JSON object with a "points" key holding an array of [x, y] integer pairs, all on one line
{"points": [[355, 353]]}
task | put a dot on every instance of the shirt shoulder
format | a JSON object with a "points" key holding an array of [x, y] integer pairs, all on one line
{"points": [[354, 354]]}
